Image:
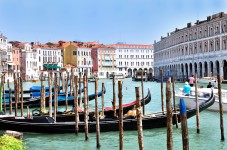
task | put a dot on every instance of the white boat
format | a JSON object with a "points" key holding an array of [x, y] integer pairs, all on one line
{"points": [[138, 76], [206, 80], [203, 93], [117, 76]]}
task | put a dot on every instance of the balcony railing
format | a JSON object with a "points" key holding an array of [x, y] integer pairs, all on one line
{"points": [[4, 59]]}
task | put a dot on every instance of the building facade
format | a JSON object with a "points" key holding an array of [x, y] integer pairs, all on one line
{"points": [[133, 57], [29, 63], [199, 48], [84, 61], [106, 62], [5, 57]]}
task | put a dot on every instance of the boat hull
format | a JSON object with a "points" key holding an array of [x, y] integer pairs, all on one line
{"points": [[190, 102], [42, 124]]}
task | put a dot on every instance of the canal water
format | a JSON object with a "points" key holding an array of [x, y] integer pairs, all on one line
{"points": [[209, 137]]}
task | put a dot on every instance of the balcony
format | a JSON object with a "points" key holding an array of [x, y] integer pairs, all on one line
{"points": [[4, 59], [107, 64]]}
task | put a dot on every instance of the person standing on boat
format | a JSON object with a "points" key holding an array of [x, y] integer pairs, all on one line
{"points": [[186, 89], [209, 85], [191, 80]]}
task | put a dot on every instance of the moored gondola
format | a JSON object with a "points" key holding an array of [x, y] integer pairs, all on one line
{"points": [[42, 124], [108, 111], [35, 101]]}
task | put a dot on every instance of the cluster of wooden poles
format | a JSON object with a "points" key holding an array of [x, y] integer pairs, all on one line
{"points": [[75, 81], [183, 116], [18, 90]]}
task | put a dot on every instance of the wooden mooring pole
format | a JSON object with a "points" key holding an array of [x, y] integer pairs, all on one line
{"points": [[197, 105], [62, 81], [76, 104], [43, 99], [103, 88], [56, 86], [66, 92], [50, 82], [220, 108], [1, 94], [4, 98], [80, 89], [71, 84], [15, 93], [114, 97], [174, 102], [121, 131], [184, 126], [162, 96], [143, 93], [10, 102], [169, 115], [97, 115], [22, 95], [85, 109], [139, 119]]}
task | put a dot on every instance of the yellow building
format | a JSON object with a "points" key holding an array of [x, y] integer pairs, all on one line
{"points": [[70, 55]]}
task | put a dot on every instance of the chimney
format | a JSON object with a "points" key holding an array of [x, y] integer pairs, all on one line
{"points": [[221, 14], [189, 25], [208, 18], [197, 22], [168, 34]]}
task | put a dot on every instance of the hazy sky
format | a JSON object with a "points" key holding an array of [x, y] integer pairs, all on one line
{"points": [[105, 21]]}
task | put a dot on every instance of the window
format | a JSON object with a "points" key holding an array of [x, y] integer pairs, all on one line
{"points": [[74, 53]]}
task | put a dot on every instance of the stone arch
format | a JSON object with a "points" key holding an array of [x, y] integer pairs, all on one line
{"points": [[195, 67], [217, 67], [186, 70], [200, 71], [134, 72], [190, 69], [224, 70], [211, 67], [205, 69], [130, 72]]}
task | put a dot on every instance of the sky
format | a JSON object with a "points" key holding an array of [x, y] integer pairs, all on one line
{"points": [[104, 21]]}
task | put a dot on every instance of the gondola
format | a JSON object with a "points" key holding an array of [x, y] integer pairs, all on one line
{"points": [[108, 111], [36, 95], [42, 124], [35, 88], [35, 101]]}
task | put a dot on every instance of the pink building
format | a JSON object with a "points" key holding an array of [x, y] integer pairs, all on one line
{"points": [[16, 59]]}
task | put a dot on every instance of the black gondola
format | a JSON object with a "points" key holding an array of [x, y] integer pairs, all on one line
{"points": [[108, 111], [35, 88], [35, 102], [46, 124]]}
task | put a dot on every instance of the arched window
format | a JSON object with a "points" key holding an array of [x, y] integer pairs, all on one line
{"points": [[217, 45]]}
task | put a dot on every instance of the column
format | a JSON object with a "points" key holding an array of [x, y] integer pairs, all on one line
{"points": [[209, 69], [215, 69], [193, 69], [198, 70]]}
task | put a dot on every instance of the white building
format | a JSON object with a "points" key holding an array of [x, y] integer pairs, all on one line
{"points": [[133, 57], [199, 48], [29, 63], [5, 57], [84, 61], [48, 59]]}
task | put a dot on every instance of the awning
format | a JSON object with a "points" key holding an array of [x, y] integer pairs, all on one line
{"points": [[51, 66], [11, 64]]}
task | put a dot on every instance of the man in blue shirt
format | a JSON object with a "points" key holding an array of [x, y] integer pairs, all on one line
{"points": [[186, 89]]}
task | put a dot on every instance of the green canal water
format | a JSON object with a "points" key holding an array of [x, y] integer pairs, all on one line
{"points": [[209, 137]]}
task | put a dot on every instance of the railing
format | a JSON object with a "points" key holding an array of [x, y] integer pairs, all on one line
{"points": [[4, 59]]}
